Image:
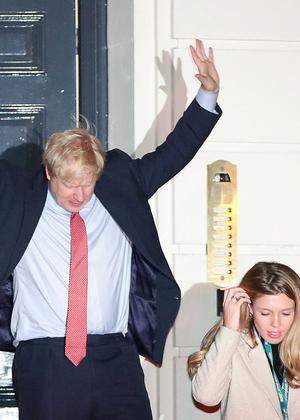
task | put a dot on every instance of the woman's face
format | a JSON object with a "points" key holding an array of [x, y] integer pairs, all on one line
{"points": [[273, 316]]}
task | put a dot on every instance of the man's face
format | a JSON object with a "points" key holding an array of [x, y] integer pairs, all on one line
{"points": [[273, 316], [72, 195]]}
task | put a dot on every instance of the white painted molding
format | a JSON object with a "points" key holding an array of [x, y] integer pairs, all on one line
{"points": [[243, 249], [255, 147]]}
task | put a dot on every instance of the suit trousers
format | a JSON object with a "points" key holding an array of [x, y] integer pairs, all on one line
{"points": [[107, 385]]}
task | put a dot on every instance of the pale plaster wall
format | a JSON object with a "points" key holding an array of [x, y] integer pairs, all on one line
{"points": [[120, 40], [257, 49]]}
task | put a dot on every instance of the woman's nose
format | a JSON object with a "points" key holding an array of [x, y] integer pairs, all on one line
{"points": [[275, 321]]}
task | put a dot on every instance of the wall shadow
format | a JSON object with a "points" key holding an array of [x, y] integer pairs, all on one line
{"points": [[27, 156], [197, 314], [175, 89]]}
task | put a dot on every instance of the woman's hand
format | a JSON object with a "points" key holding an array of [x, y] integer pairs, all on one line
{"points": [[233, 300]]}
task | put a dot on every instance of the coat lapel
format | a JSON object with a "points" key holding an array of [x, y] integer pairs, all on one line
{"points": [[256, 361], [294, 394]]}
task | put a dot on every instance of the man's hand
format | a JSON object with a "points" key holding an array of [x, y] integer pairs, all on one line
{"points": [[208, 74], [233, 300]]}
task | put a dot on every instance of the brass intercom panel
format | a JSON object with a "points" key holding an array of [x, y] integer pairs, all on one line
{"points": [[221, 223]]}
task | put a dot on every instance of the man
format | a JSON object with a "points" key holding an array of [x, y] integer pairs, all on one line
{"points": [[91, 286]]}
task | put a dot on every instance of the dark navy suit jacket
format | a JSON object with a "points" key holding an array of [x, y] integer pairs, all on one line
{"points": [[124, 188]]}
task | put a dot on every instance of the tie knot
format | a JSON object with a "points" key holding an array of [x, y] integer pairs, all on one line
{"points": [[76, 220], [77, 226]]}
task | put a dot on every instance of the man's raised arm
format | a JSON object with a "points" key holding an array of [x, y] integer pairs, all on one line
{"points": [[156, 168]]}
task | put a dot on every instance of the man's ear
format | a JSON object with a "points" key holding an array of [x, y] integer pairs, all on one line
{"points": [[47, 173]]}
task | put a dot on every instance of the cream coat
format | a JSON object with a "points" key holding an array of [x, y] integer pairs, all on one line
{"points": [[241, 379]]}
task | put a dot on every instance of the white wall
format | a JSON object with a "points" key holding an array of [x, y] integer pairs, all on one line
{"points": [[257, 49], [120, 43]]}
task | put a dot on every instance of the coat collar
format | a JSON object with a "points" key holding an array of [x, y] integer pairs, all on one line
{"points": [[256, 361]]}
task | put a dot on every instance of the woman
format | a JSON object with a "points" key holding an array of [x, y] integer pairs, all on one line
{"points": [[250, 361]]}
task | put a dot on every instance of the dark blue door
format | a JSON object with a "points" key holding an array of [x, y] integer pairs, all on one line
{"points": [[37, 74], [37, 98]]}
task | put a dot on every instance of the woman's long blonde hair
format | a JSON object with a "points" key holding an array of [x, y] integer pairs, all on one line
{"points": [[264, 278]]}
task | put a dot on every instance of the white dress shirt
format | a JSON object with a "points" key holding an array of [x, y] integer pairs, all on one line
{"points": [[41, 278]]}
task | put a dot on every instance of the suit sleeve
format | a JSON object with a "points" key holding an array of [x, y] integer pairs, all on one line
{"points": [[212, 380], [12, 180], [156, 168], [5, 182]]}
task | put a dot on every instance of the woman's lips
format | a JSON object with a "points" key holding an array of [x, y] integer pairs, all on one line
{"points": [[273, 334]]}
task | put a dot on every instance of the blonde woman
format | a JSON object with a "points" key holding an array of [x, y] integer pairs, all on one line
{"points": [[250, 361]]}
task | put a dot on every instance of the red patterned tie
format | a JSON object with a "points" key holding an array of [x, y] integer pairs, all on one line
{"points": [[76, 329]]}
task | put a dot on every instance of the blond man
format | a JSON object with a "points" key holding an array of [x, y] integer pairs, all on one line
{"points": [[91, 287]]}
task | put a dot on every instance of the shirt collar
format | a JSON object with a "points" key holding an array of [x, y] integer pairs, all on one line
{"points": [[52, 205]]}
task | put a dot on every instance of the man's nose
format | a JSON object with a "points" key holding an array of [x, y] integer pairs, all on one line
{"points": [[79, 194]]}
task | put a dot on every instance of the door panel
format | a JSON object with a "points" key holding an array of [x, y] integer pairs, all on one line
{"points": [[37, 98], [37, 74]]}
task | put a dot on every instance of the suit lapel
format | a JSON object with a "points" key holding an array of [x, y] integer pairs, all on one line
{"points": [[256, 361]]}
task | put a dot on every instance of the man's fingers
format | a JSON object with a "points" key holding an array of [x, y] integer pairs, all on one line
{"points": [[201, 77], [195, 55], [201, 50], [208, 74], [213, 72], [211, 55], [198, 61]]}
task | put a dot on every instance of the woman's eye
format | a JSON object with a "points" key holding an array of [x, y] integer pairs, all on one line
{"points": [[286, 313], [264, 313]]}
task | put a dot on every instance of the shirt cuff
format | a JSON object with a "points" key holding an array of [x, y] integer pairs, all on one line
{"points": [[207, 100]]}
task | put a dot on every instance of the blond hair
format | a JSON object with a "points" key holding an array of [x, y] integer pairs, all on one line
{"points": [[71, 153], [264, 278]]}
